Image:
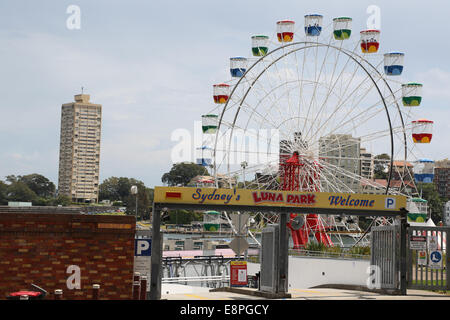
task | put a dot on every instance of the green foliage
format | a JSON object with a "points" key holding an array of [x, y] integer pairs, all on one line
{"points": [[365, 251], [3, 193], [40, 185], [183, 217], [315, 246], [33, 188], [435, 202], [380, 166], [118, 191], [62, 200], [182, 173], [320, 247], [19, 191], [110, 213]]}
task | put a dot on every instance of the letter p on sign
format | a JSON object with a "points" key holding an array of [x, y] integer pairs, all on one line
{"points": [[389, 203], [142, 247]]}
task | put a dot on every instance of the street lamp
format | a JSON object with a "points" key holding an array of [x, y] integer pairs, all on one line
{"points": [[134, 190], [244, 165]]}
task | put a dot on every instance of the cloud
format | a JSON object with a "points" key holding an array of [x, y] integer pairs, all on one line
{"points": [[436, 83]]}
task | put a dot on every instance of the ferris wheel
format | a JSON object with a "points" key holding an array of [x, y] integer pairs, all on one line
{"points": [[308, 110]]}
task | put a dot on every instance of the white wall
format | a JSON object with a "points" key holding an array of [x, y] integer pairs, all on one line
{"points": [[306, 272]]}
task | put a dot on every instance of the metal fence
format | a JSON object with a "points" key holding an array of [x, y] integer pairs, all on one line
{"points": [[427, 258], [385, 255]]}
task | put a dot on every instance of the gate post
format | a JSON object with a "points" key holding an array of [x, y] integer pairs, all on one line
{"points": [[403, 250], [156, 258], [283, 254]]}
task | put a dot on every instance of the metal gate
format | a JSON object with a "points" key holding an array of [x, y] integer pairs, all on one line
{"points": [[385, 255], [427, 258], [269, 257]]}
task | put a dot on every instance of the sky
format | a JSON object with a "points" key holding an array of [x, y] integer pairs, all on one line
{"points": [[151, 64]]}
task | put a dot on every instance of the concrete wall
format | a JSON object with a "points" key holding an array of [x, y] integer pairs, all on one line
{"points": [[307, 272], [38, 248]]}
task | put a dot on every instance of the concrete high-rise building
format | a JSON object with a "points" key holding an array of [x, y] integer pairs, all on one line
{"points": [[342, 152], [442, 181], [367, 164], [79, 150]]}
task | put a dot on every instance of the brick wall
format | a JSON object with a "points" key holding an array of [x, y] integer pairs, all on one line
{"points": [[38, 248]]}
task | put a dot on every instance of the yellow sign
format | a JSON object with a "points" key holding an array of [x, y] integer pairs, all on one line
{"points": [[238, 263], [276, 198]]}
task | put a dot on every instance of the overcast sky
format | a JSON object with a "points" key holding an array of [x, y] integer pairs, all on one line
{"points": [[151, 64]]}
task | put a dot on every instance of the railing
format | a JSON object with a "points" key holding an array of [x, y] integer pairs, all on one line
{"points": [[326, 254], [223, 278], [319, 254]]}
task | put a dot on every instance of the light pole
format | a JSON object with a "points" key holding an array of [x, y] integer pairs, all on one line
{"points": [[134, 190], [244, 165]]}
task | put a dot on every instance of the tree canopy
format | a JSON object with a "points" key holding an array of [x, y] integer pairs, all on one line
{"points": [[435, 202], [380, 168], [19, 191], [182, 173], [41, 186], [33, 188], [119, 189]]}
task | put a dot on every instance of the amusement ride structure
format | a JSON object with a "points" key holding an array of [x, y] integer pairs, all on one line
{"points": [[307, 111]]}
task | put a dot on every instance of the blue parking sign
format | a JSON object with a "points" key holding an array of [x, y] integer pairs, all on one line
{"points": [[142, 247]]}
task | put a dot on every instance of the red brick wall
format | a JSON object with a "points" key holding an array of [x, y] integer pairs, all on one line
{"points": [[38, 248]]}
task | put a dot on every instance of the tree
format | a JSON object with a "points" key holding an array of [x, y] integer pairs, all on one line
{"points": [[183, 217], [380, 168], [3, 193], [435, 202], [61, 199], [12, 178], [119, 189], [182, 173], [41, 186], [19, 191], [143, 199], [108, 189]]}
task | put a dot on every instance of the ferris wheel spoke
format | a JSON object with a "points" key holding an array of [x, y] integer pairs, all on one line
{"points": [[334, 176], [317, 79], [339, 106], [331, 87], [336, 109]]}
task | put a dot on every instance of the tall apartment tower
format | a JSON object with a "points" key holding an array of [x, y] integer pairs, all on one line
{"points": [[79, 150], [341, 151], [367, 164]]}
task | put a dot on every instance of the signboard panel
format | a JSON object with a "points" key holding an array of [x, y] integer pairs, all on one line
{"points": [[418, 243], [277, 198], [142, 256], [432, 243], [238, 273], [422, 258], [435, 260]]}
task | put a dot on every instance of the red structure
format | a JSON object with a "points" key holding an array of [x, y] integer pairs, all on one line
{"points": [[301, 174]]}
